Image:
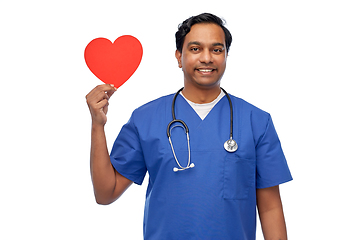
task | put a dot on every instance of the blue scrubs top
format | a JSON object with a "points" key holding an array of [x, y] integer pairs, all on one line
{"points": [[217, 198]]}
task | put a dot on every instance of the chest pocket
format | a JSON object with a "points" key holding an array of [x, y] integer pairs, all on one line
{"points": [[239, 177]]}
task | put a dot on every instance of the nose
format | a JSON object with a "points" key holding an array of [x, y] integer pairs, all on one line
{"points": [[206, 56]]}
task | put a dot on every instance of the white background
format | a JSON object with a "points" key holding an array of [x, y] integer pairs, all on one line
{"points": [[298, 60]]}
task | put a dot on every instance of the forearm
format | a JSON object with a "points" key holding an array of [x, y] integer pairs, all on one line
{"points": [[271, 213], [273, 224], [102, 171]]}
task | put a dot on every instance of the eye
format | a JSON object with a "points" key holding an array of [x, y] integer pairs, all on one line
{"points": [[218, 50], [194, 49]]}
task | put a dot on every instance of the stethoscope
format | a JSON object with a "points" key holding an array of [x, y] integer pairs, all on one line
{"points": [[230, 145]]}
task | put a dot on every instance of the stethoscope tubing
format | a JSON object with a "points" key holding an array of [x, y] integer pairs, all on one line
{"points": [[231, 113], [174, 118], [184, 124], [230, 145]]}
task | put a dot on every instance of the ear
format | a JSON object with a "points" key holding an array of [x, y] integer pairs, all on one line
{"points": [[178, 57]]}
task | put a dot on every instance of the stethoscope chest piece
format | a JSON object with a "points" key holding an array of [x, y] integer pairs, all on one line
{"points": [[230, 145]]}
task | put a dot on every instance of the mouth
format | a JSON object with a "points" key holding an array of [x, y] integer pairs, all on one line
{"points": [[205, 70]]}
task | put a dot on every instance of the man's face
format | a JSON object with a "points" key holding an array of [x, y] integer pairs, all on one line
{"points": [[203, 57]]}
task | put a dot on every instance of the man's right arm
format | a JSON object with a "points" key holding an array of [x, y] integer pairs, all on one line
{"points": [[107, 182]]}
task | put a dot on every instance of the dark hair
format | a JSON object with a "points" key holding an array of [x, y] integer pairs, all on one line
{"points": [[184, 28]]}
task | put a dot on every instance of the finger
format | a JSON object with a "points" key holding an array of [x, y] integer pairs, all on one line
{"points": [[96, 97], [93, 91], [99, 94], [105, 108], [111, 92], [103, 103], [100, 88]]}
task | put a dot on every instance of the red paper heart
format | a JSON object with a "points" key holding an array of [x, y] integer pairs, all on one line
{"points": [[114, 63]]}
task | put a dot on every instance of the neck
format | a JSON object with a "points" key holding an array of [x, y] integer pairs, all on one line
{"points": [[201, 96]]}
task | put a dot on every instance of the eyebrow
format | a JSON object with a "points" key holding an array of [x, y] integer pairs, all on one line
{"points": [[218, 44], [193, 43], [198, 43]]}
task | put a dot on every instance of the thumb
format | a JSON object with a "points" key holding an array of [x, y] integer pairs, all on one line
{"points": [[111, 92]]}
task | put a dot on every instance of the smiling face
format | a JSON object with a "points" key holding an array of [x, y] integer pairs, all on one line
{"points": [[203, 57]]}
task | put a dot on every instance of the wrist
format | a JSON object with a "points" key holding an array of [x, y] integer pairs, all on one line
{"points": [[97, 126]]}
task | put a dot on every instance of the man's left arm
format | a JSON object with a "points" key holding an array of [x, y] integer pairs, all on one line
{"points": [[271, 213]]}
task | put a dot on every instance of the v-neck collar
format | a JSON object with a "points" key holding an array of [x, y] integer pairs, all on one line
{"points": [[203, 110], [184, 111]]}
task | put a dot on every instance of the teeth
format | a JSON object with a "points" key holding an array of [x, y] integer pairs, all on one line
{"points": [[205, 70]]}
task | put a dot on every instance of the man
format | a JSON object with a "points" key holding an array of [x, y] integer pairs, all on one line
{"points": [[214, 197]]}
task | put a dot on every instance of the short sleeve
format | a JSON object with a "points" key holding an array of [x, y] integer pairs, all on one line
{"points": [[126, 155], [271, 166]]}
